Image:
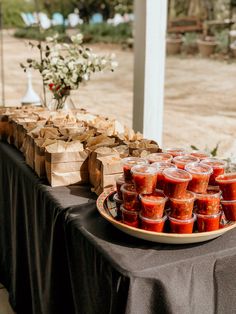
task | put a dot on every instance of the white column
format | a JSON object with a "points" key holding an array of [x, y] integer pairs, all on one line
{"points": [[149, 67]]}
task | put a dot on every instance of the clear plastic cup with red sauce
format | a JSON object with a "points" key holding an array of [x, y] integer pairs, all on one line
{"points": [[118, 202], [176, 182], [175, 151], [200, 177], [208, 203], [182, 208], [227, 184], [182, 160], [156, 225], [144, 178], [130, 162], [119, 182], [208, 222], [130, 197], [182, 226], [153, 204], [229, 208], [159, 157], [130, 218], [218, 167], [200, 154], [160, 166]]}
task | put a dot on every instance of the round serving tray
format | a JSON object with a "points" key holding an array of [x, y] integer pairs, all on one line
{"points": [[107, 208]]}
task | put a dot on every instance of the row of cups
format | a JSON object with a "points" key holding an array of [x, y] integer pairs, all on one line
{"points": [[165, 175]]}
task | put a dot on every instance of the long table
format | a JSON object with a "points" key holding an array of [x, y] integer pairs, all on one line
{"points": [[57, 255]]}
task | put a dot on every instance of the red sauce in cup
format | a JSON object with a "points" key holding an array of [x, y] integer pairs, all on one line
{"points": [[176, 182], [175, 151], [160, 166], [208, 222], [227, 184], [153, 204], [229, 208], [159, 157], [156, 225], [130, 197], [182, 160], [208, 203], [218, 167], [182, 226], [129, 217], [200, 177], [119, 182], [130, 162], [144, 178], [182, 208]]}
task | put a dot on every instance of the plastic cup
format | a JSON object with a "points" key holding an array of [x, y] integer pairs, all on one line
{"points": [[208, 222], [200, 177], [182, 160], [227, 184], [182, 226], [128, 163], [119, 182], [156, 225], [130, 197], [200, 154], [176, 182], [160, 166], [145, 179], [182, 208], [208, 203], [118, 202], [218, 167], [129, 218], [175, 151], [159, 157], [153, 204], [229, 208]]}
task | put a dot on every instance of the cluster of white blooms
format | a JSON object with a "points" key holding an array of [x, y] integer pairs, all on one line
{"points": [[64, 66]]}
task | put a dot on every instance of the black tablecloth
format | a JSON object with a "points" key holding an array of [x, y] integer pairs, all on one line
{"points": [[111, 272], [33, 261], [57, 255]]}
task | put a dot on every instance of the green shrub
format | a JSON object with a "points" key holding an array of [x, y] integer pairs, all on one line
{"points": [[103, 32], [11, 12]]}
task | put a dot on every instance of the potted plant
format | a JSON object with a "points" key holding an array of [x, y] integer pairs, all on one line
{"points": [[190, 43], [173, 44], [207, 46], [233, 48]]}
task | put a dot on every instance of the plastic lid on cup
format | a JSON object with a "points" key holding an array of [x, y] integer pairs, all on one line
{"points": [[210, 193], [185, 159], [214, 162], [133, 213], [177, 174], [160, 166], [175, 151], [209, 216], [143, 170], [188, 197], [153, 220], [132, 161], [159, 157], [128, 188], [183, 221], [230, 202], [198, 168], [117, 199], [157, 196], [226, 178], [200, 154]]}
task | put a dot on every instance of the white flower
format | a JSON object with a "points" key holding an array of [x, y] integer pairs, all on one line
{"points": [[114, 64], [77, 39]]}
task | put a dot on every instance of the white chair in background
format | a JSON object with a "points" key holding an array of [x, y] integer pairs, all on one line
{"points": [[74, 20], [44, 21]]}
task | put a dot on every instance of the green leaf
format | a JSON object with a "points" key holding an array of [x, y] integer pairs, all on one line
{"points": [[215, 150], [194, 147]]}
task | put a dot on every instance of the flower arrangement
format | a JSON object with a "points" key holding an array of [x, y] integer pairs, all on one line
{"points": [[64, 66]]}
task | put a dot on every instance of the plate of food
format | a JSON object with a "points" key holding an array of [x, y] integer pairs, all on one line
{"points": [[106, 206]]}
